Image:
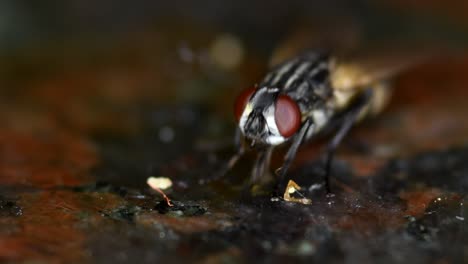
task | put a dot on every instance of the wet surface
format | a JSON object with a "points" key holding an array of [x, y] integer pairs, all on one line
{"points": [[78, 143]]}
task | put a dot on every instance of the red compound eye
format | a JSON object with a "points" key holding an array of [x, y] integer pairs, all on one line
{"points": [[241, 102], [287, 116]]}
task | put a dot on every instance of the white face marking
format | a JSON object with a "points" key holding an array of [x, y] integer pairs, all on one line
{"points": [[247, 110], [275, 137]]}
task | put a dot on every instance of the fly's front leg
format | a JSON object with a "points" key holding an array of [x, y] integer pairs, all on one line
{"points": [[291, 154], [348, 120], [240, 150], [262, 163]]}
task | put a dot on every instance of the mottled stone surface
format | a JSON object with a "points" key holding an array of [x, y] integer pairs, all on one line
{"points": [[83, 127]]}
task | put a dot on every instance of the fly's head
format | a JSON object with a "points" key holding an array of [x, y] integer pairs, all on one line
{"points": [[267, 117]]}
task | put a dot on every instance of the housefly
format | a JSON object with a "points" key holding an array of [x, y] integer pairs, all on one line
{"points": [[303, 96]]}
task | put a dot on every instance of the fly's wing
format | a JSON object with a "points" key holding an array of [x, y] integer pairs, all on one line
{"points": [[357, 73], [357, 64], [352, 76]]}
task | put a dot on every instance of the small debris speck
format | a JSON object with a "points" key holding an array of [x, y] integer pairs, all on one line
{"points": [[293, 187], [162, 183]]}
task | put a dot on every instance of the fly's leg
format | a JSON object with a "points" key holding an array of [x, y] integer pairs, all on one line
{"points": [[262, 163], [240, 150], [349, 119], [291, 154]]}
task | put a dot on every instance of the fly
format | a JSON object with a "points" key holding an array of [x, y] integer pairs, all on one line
{"points": [[301, 97]]}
